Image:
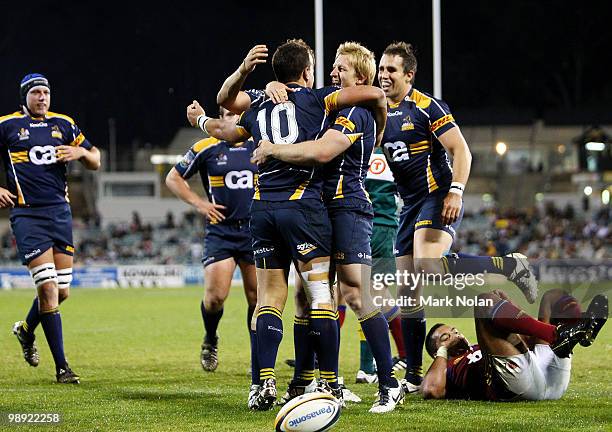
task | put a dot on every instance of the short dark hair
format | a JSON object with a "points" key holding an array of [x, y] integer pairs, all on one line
{"points": [[290, 59], [430, 342], [406, 52]]}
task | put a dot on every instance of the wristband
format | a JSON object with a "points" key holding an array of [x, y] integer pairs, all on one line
{"points": [[457, 188], [442, 352], [201, 122]]}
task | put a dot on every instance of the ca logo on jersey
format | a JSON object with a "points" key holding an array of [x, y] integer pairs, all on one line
{"points": [[239, 179], [42, 155]]}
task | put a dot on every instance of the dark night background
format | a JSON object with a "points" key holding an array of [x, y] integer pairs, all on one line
{"points": [[503, 62]]}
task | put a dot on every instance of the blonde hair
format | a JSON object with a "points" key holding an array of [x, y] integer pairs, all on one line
{"points": [[361, 58]]}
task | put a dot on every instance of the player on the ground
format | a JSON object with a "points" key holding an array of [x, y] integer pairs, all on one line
{"points": [[288, 219], [505, 365], [419, 133], [228, 177], [36, 147], [345, 150]]}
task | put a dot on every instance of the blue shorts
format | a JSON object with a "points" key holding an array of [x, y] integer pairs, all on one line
{"points": [[285, 231], [351, 221], [37, 229], [228, 240], [423, 213]]}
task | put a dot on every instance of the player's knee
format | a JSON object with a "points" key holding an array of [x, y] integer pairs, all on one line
{"points": [[64, 278], [63, 294], [315, 277], [214, 302], [44, 276], [428, 265], [352, 296]]}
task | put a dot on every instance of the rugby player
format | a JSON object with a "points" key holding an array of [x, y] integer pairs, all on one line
{"points": [[517, 357], [37, 145], [345, 150], [288, 219], [228, 177], [419, 133]]}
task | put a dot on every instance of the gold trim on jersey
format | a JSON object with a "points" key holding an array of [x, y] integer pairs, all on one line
{"points": [[354, 137], [299, 192], [243, 132], [331, 102], [345, 123], [448, 118], [216, 181], [393, 105], [16, 114], [204, 144], [256, 194], [78, 140], [19, 157], [339, 193], [419, 147], [62, 116], [421, 100], [431, 181]]}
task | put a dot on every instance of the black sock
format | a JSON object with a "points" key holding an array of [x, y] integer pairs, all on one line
{"points": [[376, 331], [51, 322], [211, 322], [324, 334], [269, 337], [474, 264], [303, 373], [413, 329], [33, 318]]}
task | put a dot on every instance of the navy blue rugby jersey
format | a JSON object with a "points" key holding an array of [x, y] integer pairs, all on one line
{"points": [[227, 174], [344, 176], [418, 161], [28, 151], [299, 119]]}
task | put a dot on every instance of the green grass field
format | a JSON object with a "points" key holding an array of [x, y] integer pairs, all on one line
{"points": [[137, 351]]}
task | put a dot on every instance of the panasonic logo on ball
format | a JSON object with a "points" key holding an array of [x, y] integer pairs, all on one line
{"points": [[295, 422]]}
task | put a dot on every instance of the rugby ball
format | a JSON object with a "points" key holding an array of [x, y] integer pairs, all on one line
{"points": [[311, 412]]}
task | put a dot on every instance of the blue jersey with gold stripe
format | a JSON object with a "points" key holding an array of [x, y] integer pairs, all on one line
{"points": [[299, 119], [344, 176], [227, 174], [27, 146], [418, 161]]}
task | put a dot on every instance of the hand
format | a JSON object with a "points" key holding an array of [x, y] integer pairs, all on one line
{"points": [[278, 92], [210, 210], [257, 55], [66, 153], [262, 152], [451, 208], [194, 110], [6, 198]]}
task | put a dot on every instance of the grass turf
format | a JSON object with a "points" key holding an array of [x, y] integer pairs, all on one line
{"points": [[137, 351]]}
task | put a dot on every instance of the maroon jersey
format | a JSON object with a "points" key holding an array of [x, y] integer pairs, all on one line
{"points": [[468, 376]]}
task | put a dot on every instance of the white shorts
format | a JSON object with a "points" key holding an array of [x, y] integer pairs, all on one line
{"points": [[535, 375]]}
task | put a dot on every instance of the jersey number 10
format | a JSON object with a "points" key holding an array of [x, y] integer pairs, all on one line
{"points": [[275, 124]]}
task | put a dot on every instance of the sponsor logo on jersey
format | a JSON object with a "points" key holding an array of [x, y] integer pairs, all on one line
{"points": [[23, 134], [305, 248], [263, 250], [423, 223], [364, 255], [37, 125], [42, 155], [407, 124], [56, 133], [31, 254], [345, 123], [237, 148], [187, 159], [222, 159], [378, 165], [239, 179], [395, 113], [339, 255]]}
